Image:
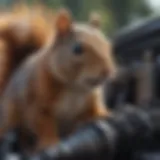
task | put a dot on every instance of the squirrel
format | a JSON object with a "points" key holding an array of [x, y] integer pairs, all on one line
{"points": [[59, 88], [23, 31]]}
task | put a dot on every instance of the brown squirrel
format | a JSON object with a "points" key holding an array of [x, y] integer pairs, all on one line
{"points": [[23, 30], [59, 88]]}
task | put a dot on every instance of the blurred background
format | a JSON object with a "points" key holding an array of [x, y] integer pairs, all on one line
{"points": [[115, 13]]}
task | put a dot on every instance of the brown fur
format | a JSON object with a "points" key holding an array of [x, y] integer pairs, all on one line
{"points": [[54, 91], [23, 30]]}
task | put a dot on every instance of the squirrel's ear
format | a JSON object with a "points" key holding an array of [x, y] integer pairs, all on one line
{"points": [[95, 20], [63, 21]]}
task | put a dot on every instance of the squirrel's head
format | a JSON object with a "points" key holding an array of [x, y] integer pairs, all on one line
{"points": [[81, 55]]}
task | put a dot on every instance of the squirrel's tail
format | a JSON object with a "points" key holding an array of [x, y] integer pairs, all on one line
{"points": [[23, 30]]}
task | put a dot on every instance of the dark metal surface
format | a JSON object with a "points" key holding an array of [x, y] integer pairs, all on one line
{"points": [[131, 134], [130, 44]]}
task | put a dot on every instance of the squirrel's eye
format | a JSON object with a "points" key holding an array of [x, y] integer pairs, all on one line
{"points": [[78, 49]]}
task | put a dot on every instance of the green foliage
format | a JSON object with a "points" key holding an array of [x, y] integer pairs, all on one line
{"points": [[115, 13], [75, 6], [123, 11]]}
